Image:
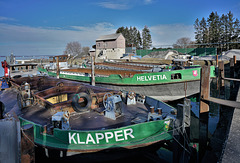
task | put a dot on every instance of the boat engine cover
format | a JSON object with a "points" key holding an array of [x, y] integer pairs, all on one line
{"points": [[113, 106]]}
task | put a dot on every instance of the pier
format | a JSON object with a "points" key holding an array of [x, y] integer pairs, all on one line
{"points": [[221, 146]]}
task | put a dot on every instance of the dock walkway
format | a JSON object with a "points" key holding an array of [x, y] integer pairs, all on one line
{"points": [[232, 150]]}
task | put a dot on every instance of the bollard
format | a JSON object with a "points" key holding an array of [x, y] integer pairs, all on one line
{"points": [[27, 144], [159, 111], [152, 109]]}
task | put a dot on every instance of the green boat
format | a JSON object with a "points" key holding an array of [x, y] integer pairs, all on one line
{"points": [[74, 118], [171, 83]]}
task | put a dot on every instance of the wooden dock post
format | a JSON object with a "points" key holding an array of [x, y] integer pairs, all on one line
{"points": [[183, 119], [58, 69], [204, 110], [93, 70], [221, 75], [177, 149]]}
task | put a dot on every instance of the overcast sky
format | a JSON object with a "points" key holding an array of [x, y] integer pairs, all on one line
{"points": [[44, 27]]}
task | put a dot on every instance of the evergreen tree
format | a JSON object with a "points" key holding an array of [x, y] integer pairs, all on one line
{"points": [[120, 30], [146, 38], [213, 28], [198, 34], [224, 30], [236, 34], [204, 31], [139, 40], [132, 36]]}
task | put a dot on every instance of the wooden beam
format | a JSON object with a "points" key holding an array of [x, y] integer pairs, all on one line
{"points": [[233, 79], [229, 103], [204, 110], [205, 88]]}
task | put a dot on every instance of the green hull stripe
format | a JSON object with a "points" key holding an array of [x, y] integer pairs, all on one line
{"points": [[131, 135], [141, 79]]}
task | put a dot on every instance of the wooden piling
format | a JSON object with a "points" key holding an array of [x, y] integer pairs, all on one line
{"points": [[93, 70], [177, 149], [204, 110], [221, 73], [58, 69], [235, 59], [27, 144], [181, 137]]}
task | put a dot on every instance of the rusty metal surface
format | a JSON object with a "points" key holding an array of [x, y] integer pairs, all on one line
{"points": [[123, 73], [46, 87], [42, 110], [125, 66]]}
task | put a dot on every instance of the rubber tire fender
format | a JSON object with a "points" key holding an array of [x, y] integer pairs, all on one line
{"points": [[77, 107]]}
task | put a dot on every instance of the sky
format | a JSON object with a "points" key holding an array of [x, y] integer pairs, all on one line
{"points": [[44, 27]]}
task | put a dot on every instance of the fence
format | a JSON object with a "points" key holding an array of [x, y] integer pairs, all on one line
{"points": [[190, 51]]}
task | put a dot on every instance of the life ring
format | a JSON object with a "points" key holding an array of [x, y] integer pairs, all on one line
{"points": [[79, 105], [131, 95]]}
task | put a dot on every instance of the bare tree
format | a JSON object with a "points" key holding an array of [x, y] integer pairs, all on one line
{"points": [[184, 42], [85, 51], [73, 48]]}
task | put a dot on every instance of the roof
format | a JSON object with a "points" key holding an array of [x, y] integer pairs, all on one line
{"points": [[109, 37], [233, 52]]}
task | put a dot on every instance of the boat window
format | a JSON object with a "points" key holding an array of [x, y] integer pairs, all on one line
{"points": [[176, 76]]}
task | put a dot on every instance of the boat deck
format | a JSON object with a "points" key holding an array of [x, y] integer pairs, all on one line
{"points": [[106, 72], [124, 66], [89, 120], [93, 119]]}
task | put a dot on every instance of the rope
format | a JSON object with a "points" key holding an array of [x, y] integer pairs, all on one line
{"points": [[28, 138], [184, 136], [181, 145]]}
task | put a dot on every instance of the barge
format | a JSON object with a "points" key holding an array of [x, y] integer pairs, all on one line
{"points": [[166, 83], [75, 118]]}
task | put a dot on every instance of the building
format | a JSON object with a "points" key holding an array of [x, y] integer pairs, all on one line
{"points": [[110, 46]]}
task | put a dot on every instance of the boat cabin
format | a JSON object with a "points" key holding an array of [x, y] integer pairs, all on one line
{"points": [[22, 69]]}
